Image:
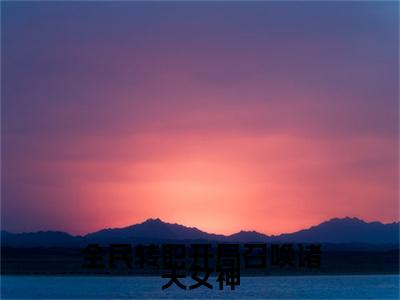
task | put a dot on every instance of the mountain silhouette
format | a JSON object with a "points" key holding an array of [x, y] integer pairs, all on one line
{"points": [[346, 230], [152, 229], [335, 231], [40, 239]]}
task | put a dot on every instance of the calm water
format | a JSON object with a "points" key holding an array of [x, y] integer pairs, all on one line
{"points": [[296, 287]]}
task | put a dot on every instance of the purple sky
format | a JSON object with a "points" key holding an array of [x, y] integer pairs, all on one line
{"points": [[225, 116]]}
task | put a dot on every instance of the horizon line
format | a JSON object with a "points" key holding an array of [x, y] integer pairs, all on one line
{"points": [[195, 227]]}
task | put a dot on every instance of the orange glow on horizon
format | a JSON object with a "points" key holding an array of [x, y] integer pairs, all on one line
{"points": [[225, 189]]}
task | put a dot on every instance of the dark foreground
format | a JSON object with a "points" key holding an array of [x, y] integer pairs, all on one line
{"points": [[68, 261], [266, 287]]}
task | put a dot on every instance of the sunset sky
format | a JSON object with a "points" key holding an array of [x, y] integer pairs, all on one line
{"points": [[225, 116]]}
